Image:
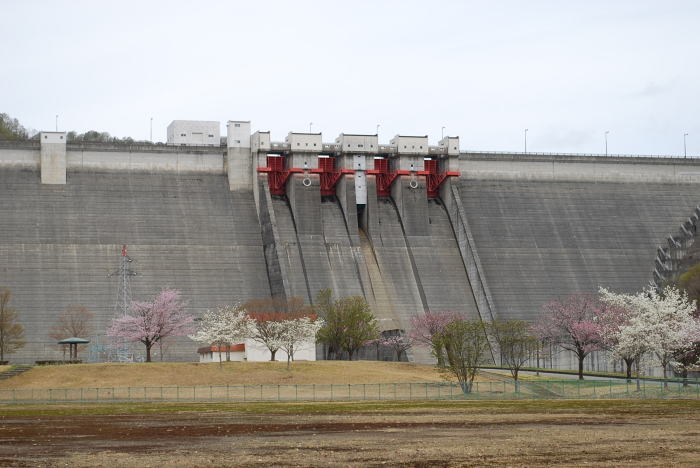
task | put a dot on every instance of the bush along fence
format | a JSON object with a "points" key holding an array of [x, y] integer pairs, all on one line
{"points": [[546, 389]]}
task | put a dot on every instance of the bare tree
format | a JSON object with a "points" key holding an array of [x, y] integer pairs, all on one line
{"points": [[11, 333], [516, 341], [465, 343], [75, 321]]}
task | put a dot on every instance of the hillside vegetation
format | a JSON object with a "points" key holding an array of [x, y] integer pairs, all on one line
{"points": [[229, 373]]}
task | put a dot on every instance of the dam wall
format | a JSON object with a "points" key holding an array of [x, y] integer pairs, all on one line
{"points": [[59, 244], [487, 235]]}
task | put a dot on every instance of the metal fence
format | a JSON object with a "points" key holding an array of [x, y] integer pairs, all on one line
{"points": [[544, 389]]}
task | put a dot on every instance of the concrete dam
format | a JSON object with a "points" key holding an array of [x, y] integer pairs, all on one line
{"points": [[407, 225]]}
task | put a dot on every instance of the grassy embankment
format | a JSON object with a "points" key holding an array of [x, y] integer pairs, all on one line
{"points": [[229, 373]]}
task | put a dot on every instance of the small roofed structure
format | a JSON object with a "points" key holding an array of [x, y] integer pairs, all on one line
{"points": [[216, 353], [73, 343]]}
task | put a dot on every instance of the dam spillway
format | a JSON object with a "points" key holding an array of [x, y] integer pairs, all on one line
{"points": [[504, 236]]}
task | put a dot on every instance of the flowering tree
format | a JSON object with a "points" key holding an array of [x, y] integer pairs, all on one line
{"points": [[297, 331], [224, 327], [150, 322], [268, 317], [397, 343], [571, 324], [661, 322], [426, 329], [614, 317]]}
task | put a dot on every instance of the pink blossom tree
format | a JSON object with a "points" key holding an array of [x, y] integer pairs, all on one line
{"points": [[399, 344], [614, 317], [426, 330], [571, 324], [150, 322]]}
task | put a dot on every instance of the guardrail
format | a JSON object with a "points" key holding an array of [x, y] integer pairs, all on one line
{"points": [[498, 390], [596, 155]]}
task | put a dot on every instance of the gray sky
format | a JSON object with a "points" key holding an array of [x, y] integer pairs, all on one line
{"points": [[566, 70]]}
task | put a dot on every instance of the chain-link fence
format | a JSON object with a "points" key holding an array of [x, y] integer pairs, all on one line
{"points": [[614, 388]]}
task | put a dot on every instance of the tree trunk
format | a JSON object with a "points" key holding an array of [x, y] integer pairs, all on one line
{"points": [[148, 352], [272, 354], [288, 361], [350, 353], [665, 381], [580, 366], [628, 363]]}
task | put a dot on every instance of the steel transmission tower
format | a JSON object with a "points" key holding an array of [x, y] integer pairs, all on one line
{"points": [[119, 351], [123, 274]]}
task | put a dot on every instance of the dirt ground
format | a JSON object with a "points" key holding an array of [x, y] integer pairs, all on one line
{"points": [[536, 433]]}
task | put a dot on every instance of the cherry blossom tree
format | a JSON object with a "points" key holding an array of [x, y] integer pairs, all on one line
{"points": [[150, 322], [268, 316], [399, 344], [298, 331], [661, 322], [223, 327], [426, 330], [571, 324], [614, 317]]}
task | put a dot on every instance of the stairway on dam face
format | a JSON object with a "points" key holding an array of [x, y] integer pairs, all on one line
{"points": [[58, 245], [541, 240]]}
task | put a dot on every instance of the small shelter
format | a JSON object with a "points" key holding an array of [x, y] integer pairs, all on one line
{"points": [[73, 343]]}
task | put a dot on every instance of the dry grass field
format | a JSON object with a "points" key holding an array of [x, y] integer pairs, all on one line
{"points": [[4, 368], [436, 433], [230, 373]]}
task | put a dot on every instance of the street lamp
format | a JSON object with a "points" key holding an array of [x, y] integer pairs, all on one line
{"points": [[377, 130], [606, 142], [310, 124], [685, 148], [151, 129], [56, 122], [442, 133], [526, 140]]}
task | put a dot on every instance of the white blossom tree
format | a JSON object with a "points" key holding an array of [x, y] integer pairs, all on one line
{"points": [[223, 327], [297, 331], [659, 322]]}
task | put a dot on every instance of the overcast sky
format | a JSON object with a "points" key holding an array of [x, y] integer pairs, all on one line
{"points": [[566, 70]]}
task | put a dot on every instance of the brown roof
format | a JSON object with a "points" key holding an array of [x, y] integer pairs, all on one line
{"points": [[215, 349]]}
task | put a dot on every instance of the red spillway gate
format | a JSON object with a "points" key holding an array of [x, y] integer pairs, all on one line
{"points": [[277, 174], [384, 177], [329, 175], [434, 178]]}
